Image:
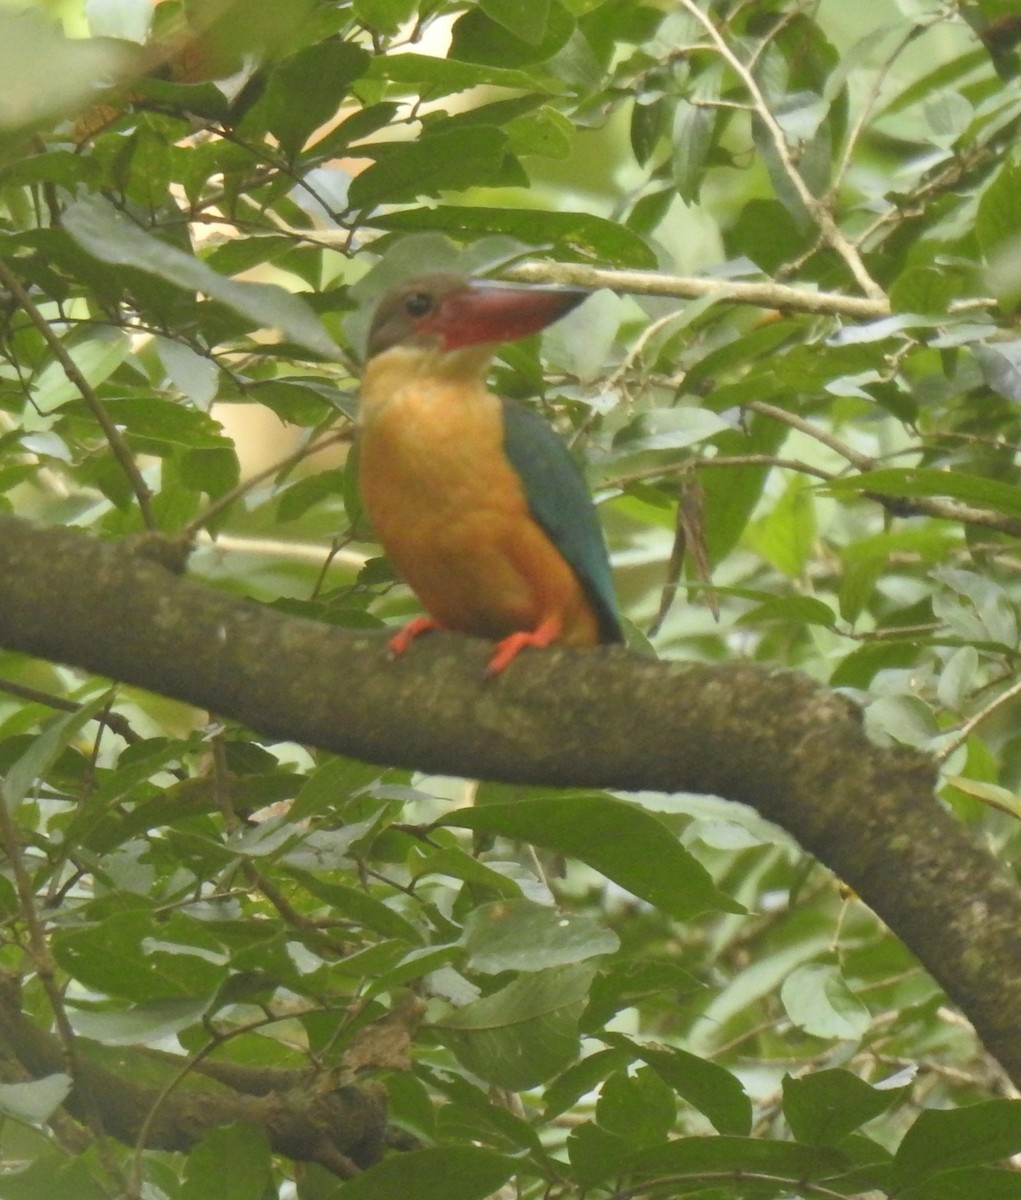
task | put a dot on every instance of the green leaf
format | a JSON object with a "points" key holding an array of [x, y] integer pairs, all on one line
{"points": [[731, 495], [697, 1155], [786, 535], [387, 16], [999, 211], [307, 492], [626, 844], [967, 1183], [46, 74], [439, 76], [330, 785], [194, 374], [826, 1106], [1001, 366], [526, 1032], [291, 109], [574, 235], [638, 1106], [436, 1173], [478, 39], [36, 1100], [694, 134], [161, 422], [705, 1085], [405, 171], [101, 230], [944, 1140], [56, 736], [818, 1001], [928, 481], [793, 610], [96, 359], [648, 123], [230, 1163], [519, 935], [456, 863], [357, 906], [671, 429], [129, 954], [596, 1154], [923, 290], [525, 19]]}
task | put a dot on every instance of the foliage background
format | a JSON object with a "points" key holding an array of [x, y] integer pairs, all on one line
{"points": [[563, 994]]}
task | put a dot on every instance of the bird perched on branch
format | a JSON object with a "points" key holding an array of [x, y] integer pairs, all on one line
{"points": [[475, 499]]}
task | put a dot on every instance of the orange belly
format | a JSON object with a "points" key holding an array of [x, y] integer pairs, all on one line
{"points": [[450, 512]]}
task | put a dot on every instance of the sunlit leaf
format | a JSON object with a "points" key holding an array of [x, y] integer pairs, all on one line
{"points": [[819, 1001]]}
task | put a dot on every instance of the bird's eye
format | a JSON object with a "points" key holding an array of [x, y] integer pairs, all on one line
{"points": [[418, 304]]}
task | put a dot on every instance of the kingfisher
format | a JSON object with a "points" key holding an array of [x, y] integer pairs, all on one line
{"points": [[475, 499]]}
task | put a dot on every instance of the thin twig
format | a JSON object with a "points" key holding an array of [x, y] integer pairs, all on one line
{"points": [[902, 506], [872, 98], [115, 722], [818, 210], [862, 461], [223, 502], [124, 457], [969, 726]]}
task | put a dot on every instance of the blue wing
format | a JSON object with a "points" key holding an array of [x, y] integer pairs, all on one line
{"points": [[559, 500]]}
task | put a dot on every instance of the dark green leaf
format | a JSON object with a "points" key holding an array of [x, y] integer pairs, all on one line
{"points": [[519, 935], [927, 481], [967, 1183], [470, 157], [245, 1148], [638, 1106], [704, 1085], [695, 1155], [306, 91], [107, 234], [975, 1135], [385, 15], [129, 954], [692, 138], [826, 1106], [478, 39], [924, 290], [575, 235], [523, 1034], [436, 1173], [32, 765], [524, 19], [623, 842], [440, 76]]}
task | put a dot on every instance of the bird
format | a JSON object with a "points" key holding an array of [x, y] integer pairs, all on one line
{"points": [[474, 498]]}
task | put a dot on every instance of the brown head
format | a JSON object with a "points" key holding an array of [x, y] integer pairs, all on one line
{"points": [[447, 312]]}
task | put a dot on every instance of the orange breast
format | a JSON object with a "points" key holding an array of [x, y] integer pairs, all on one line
{"points": [[450, 511]]}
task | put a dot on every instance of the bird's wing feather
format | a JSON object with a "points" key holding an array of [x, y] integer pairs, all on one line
{"points": [[559, 500]]}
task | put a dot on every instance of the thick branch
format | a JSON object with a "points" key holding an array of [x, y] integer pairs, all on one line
{"points": [[769, 738], [336, 1126]]}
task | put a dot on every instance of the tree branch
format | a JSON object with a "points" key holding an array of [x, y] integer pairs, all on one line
{"points": [[304, 1116], [769, 738], [689, 287]]}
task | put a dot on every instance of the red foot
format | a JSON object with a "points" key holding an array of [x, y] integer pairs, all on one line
{"points": [[403, 638], [508, 648]]}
